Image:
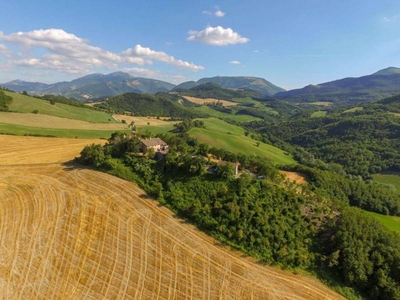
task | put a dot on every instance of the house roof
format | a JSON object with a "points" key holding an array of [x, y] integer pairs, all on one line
{"points": [[153, 142]]}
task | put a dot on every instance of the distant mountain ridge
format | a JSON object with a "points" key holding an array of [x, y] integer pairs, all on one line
{"points": [[374, 87], [370, 88], [257, 84], [213, 90], [94, 86], [99, 85]]}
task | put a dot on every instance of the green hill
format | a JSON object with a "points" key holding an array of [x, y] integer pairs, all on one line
{"points": [[213, 90], [260, 85], [28, 104], [220, 134], [148, 105]]}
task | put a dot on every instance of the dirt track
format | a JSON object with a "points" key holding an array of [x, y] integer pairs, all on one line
{"points": [[72, 233]]}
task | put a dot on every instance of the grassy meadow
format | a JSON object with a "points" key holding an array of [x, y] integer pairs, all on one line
{"points": [[218, 114], [27, 104], [155, 129], [318, 114], [230, 137], [354, 109], [390, 222], [209, 100], [392, 179], [257, 104], [56, 132], [321, 103]]}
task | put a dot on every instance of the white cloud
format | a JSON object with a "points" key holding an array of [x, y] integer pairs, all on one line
{"points": [[217, 36], [218, 13], [4, 50], [68, 53], [143, 52], [234, 62], [390, 19]]}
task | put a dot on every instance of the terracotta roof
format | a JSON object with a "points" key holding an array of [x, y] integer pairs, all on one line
{"points": [[153, 142]]}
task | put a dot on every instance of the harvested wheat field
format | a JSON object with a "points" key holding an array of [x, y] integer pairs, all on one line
{"points": [[18, 150], [209, 100], [73, 233], [139, 121]]}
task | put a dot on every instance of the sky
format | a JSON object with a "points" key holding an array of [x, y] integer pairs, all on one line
{"points": [[291, 43]]}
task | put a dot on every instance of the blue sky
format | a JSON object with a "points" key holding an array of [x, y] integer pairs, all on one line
{"points": [[290, 43]]}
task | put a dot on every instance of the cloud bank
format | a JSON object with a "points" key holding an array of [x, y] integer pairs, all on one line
{"points": [[65, 52]]}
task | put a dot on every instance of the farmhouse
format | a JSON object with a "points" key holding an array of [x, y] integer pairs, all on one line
{"points": [[156, 143]]}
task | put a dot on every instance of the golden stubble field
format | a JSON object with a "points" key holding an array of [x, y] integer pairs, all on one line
{"points": [[68, 232], [209, 100]]}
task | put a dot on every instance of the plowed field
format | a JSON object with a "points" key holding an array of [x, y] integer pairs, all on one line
{"points": [[73, 233]]}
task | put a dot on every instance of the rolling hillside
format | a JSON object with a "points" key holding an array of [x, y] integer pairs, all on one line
{"points": [[74, 233], [220, 134], [32, 116]]}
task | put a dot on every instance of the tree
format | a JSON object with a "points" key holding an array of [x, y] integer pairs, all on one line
{"points": [[92, 155]]}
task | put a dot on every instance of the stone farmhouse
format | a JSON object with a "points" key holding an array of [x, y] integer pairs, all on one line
{"points": [[157, 144]]}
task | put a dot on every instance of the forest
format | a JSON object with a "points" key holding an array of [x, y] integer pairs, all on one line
{"points": [[363, 142], [148, 105], [312, 227]]}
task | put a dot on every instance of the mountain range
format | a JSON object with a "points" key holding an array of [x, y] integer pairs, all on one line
{"points": [[97, 86], [94, 86], [374, 87]]}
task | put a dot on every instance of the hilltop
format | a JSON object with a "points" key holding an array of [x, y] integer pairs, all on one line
{"points": [[257, 84]]}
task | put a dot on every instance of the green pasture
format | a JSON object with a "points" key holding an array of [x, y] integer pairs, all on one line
{"points": [[66, 133], [318, 114], [217, 114], [27, 104], [155, 129], [230, 137], [320, 103], [354, 109], [257, 104], [392, 179], [390, 222]]}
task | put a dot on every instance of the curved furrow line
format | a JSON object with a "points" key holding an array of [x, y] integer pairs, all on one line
{"points": [[108, 240]]}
